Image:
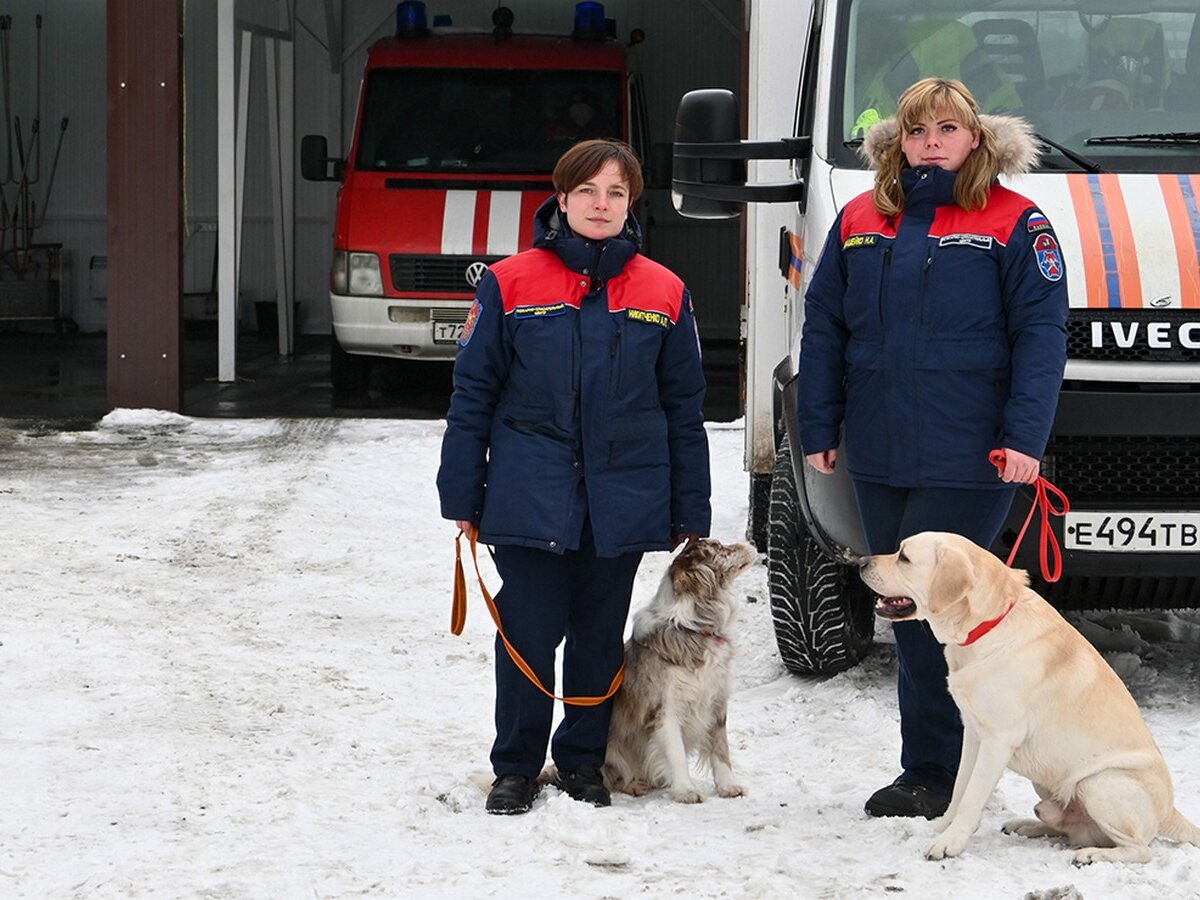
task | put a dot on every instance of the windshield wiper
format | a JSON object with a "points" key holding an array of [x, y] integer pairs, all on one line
{"points": [[1088, 165], [1162, 137]]}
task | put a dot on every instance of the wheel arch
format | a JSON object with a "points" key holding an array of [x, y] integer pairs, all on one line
{"points": [[826, 502]]}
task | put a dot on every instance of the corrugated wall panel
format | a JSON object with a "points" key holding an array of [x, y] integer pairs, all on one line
{"points": [[72, 86], [704, 52]]}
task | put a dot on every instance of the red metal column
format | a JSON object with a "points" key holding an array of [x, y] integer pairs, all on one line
{"points": [[145, 259]]}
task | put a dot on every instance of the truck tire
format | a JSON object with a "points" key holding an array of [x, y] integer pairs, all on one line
{"points": [[349, 372], [823, 613]]}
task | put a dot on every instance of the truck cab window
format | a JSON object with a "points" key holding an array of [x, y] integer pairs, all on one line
{"points": [[490, 121], [1073, 74]]}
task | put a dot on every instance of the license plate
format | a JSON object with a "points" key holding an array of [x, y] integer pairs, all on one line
{"points": [[447, 332], [1140, 532]]}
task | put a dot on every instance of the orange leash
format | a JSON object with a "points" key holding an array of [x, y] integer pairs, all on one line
{"points": [[458, 617], [1048, 544]]}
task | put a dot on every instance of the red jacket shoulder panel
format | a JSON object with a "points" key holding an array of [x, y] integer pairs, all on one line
{"points": [[861, 217], [996, 220], [646, 285], [537, 277]]}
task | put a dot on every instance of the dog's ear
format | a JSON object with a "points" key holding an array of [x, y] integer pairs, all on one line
{"points": [[953, 577], [692, 572]]}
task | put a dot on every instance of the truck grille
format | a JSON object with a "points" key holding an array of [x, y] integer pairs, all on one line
{"points": [[448, 315], [1124, 335], [1095, 469], [413, 272]]}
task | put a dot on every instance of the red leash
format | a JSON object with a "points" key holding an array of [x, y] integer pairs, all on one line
{"points": [[1042, 503]]}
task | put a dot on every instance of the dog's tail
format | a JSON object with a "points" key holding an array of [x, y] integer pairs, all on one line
{"points": [[1178, 828]]}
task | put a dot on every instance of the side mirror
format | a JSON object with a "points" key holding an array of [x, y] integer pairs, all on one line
{"points": [[708, 179], [314, 160], [708, 116]]}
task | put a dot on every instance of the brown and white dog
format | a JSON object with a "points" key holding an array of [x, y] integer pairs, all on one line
{"points": [[677, 673], [1035, 697]]}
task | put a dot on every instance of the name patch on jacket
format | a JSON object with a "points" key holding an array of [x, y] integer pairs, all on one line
{"points": [[1049, 259], [1037, 222], [539, 310], [648, 316], [860, 240], [978, 241]]}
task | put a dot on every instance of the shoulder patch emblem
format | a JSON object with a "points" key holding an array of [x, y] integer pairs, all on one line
{"points": [[860, 240], [1036, 222], [978, 241], [539, 310], [1049, 259], [469, 325], [648, 316]]}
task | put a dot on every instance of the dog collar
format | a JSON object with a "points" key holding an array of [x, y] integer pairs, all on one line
{"points": [[712, 634], [984, 627]]}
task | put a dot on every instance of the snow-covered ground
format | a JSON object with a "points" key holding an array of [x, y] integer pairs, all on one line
{"points": [[226, 671]]}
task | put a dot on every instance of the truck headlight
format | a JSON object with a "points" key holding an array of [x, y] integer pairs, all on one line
{"points": [[365, 279], [355, 273]]}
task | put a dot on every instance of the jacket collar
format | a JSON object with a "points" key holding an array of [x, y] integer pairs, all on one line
{"points": [[602, 259], [926, 186]]}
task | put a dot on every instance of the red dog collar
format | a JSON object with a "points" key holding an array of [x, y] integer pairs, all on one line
{"points": [[984, 627]]}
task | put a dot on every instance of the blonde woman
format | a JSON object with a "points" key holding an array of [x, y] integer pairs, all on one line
{"points": [[934, 333]]}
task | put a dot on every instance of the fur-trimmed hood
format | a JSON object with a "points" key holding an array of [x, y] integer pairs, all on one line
{"points": [[1016, 148]]}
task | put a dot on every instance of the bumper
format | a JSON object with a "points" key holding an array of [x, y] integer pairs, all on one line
{"points": [[1119, 451], [398, 328]]}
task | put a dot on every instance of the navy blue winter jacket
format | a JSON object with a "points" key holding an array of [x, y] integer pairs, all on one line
{"points": [[578, 391], [936, 337]]}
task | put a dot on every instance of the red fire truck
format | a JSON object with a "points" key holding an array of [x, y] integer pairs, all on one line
{"points": [[455, 138]]}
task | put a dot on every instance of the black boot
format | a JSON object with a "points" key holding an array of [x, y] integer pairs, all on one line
{"points": [[585, 783], [905, 798], [512, 794]]}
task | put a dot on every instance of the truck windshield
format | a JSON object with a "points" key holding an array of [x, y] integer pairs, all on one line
{"points": [[485, 121], [1076, 70]]}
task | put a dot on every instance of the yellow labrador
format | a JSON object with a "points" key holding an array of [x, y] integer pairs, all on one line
{"points": [[1035, 697]]}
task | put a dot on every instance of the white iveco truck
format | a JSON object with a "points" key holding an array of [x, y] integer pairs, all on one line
{"points": [[1112, 88]]}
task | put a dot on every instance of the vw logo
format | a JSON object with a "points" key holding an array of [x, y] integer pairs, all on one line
{"points": [[474, 273]]}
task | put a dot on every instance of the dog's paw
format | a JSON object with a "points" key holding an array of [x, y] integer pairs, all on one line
{"points": [[941, 823], [948, 845], [1026, 828], [1129, 853], [638, 787], [730, 790], [687, 795]]}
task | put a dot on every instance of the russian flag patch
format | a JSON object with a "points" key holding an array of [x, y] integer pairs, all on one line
{"points": [[1037, 222]]}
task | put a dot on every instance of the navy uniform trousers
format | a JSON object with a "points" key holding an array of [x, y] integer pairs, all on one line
{"points": [[930, 727], [545, 598]]}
